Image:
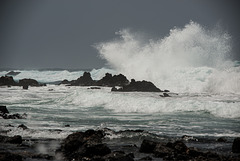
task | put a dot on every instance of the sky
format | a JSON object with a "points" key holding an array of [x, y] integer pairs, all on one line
{"points": [[61, 33]]}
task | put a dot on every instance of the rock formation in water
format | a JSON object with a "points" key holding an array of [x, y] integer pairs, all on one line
{"points": [[138, 86]]}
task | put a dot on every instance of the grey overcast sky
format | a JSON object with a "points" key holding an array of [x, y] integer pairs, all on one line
{"points": [[60, 33]]}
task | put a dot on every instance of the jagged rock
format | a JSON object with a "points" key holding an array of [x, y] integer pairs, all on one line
{"points": [[7, 81], [13, 116], [111, 81], [85, 80], [236, 145], [3, 109], [138, 86], [12, 73]]}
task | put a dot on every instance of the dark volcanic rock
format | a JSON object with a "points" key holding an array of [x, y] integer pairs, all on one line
{"points": [[28, 82], [111, 81], [17, 139], [3, 109], [7, 156], [138, 86], [7, 80], [236, 145], [85, 80], [147, 146], [84, 144]]}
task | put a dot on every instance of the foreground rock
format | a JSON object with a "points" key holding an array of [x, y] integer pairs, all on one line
{"points": [[17, 139], [138, 86], [236, 145], [88, 146]]}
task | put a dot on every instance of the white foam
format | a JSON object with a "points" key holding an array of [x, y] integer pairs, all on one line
{"points": [[189, 59]]}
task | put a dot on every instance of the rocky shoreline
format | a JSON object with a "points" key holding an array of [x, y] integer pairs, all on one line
{"points": [[109, 145], [97, 145]]}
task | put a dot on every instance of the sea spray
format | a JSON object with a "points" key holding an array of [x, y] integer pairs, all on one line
{"points": [[184, 61]]}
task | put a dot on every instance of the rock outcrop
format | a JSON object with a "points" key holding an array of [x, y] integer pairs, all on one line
{"points": [[138, 86], [110, 81], [7, 81]]}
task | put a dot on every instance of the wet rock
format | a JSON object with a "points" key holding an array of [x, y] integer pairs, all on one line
{"points": [[84, 144], [13, 116], [85, 80], [65, 81], [162, 150], [147, 146], [7, 81], [111, 81], [17, 139], [28, 82], [138, 86], [3, 109], [236, 145], [7, 156]]}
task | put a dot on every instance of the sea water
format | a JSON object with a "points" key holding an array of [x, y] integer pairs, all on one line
{"points": [[192, 62]]}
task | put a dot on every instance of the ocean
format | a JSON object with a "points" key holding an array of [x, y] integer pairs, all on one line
{"points": [[204, 88]]}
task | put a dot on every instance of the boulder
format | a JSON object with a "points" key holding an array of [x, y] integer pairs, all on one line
{"points": [[7, 81], [28, 82], [138, 86], [236, 145], [3, 109], [111, 81], [84, 144]]}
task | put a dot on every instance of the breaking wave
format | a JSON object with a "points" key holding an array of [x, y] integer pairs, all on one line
{"points": [[189, 59]]}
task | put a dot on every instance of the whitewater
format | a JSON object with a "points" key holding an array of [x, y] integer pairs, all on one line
{"points": [[193, 62]]}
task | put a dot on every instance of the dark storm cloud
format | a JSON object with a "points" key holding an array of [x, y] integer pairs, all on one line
{"points": [[60, 33]]}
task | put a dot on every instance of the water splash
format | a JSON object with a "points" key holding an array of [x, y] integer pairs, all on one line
{"points": [[183, 61]]}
